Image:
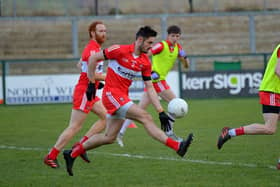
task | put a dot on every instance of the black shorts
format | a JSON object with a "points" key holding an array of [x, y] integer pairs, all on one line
{"points": [[271, 109]]}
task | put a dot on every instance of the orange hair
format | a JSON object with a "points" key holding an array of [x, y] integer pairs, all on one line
{"points": [[92, 27]]}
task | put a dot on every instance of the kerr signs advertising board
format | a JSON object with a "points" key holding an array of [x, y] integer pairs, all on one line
{"points": [[221, 84]]}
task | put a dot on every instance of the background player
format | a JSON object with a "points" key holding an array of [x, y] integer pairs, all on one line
{"points": [[81, 105], [126, 62], [164, 55], [269, 93]]}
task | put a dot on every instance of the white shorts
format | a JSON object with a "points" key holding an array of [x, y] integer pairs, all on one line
{"points": [[121, 112]]}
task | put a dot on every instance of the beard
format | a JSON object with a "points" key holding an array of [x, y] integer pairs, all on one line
{"points": [[100, 38], [142, 50]]}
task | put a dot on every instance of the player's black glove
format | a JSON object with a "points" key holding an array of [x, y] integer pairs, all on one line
{"points": [[166, 121], [91, 90], [100, 85]]}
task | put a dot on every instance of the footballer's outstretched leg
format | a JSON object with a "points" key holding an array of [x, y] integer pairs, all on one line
{"points": [[184, 145], [278, 164], [53, 163], [224, 137], [84, 155], [69, 161]]}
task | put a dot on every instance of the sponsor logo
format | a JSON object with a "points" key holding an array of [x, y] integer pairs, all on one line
{"points": [[124, 73], [234, 82]]}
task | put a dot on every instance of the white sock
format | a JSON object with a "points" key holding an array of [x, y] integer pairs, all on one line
{"points": [[126, 123], [232, 132]]}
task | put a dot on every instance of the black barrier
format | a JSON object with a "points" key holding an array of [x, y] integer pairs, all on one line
{"points": [[242, 83]]}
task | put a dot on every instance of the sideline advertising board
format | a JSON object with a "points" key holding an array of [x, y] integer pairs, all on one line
{"points": [[243, 83], [35, 89], [39, 89]]}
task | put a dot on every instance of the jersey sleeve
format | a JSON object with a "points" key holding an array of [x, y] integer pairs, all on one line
{"points": [[146, 71], [112, 52], [157, 48], [182, 52]]}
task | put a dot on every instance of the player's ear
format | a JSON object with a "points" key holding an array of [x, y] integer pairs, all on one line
{"points": [[140, 39], [92, 34]]}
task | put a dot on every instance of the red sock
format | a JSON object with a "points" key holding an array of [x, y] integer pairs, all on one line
{"points": [[172, 144], [85, 138], [239, 131], [78, 150], [53, 153]]}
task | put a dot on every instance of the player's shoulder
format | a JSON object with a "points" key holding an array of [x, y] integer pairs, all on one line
{"points": [[158, 45], [179, 45]]}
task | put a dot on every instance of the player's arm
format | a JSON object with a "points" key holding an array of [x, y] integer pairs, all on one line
{"points": [[153, 95], [165, 119], [277, 69], [184, 58], [93, 59], [100, 77], [91, 90], [79, 64]]}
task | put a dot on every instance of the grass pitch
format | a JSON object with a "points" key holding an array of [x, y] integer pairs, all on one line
{"points": [[27, 132]]}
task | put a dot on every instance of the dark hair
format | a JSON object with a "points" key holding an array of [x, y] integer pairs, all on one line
{"points": [[174, 29], [92, 27], [146, 32]]}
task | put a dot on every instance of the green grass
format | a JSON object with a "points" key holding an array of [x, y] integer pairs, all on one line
{"points": [[37, 127]]}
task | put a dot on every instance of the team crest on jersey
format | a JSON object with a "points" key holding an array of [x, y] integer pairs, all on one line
{"points": [[125, 59], [133, 63]]}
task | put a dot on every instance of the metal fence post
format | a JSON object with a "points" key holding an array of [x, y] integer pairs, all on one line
{"points": [[75, 44], [163, 21], [252, 33], [180, 79], [192, 64], [4, 80]]}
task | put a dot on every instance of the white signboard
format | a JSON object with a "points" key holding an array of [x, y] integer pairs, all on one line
{"points": [[38, 89]]}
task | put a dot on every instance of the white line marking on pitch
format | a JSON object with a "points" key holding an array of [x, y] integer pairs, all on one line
{"points": [[208, 162]]}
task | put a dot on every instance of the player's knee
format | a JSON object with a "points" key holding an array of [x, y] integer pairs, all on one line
{"points": [[271, 130], [146, 117], [110, 139], [74, 128]]}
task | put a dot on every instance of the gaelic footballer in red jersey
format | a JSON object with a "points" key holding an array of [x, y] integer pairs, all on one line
{"points": [[126, 62], [81, 105], [164, 56]]}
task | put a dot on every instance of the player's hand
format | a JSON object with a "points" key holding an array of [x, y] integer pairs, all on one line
{"points": [[100, 85], [91, 90], [166, 121]]}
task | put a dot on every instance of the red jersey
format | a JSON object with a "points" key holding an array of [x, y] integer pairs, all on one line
{"points": [[80, 101], [91, 48], [157, 48], [123, 67]]}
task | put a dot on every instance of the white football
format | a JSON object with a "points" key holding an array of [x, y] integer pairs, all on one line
{"points": [[178, 107]]}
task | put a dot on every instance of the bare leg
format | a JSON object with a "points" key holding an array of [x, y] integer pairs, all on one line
{"points": [[140, 115], [99, 125], [111, 132], [143, 103], [269, 127], [76, 122]]}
